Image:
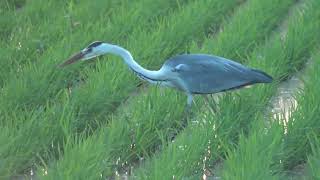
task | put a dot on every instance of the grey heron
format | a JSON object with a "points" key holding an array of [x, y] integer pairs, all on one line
{"points": [[190, 73]]}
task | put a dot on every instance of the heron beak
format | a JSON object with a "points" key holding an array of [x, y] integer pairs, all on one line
{"points": [[73, 59]]}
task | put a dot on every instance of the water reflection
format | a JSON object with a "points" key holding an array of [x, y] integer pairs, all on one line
{"points": [[283, 103]]}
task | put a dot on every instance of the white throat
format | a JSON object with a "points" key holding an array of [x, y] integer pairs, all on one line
{"points": [[150, 76]]}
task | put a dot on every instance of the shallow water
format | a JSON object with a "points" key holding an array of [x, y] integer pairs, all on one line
{"points": [[283, 103]]}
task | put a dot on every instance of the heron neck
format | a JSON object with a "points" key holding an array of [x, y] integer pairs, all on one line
{"points": [[133, 65]]}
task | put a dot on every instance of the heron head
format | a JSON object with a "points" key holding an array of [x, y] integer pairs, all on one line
{"points": [[94, 49]]}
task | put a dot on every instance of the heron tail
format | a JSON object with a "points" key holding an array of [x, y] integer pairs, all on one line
{"points": [[262, 77]]}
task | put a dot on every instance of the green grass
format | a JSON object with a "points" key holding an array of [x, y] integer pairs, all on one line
{"points": [[40, 28], [303, 122], [97, 120], [254, 155], [313, 163], [7, 5], [311, 131], [22, 36], [114, 141], [273, 142]]}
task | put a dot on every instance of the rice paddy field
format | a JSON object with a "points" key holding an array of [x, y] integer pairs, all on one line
{"points": [[97, 120]]}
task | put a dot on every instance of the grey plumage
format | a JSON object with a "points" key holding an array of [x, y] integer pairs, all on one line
{"points": [[207, 74]]}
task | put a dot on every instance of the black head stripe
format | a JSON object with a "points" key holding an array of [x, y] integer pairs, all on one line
{"points": [[94, 44]]}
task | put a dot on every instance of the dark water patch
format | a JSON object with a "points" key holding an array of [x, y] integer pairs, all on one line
{"points": [[9, 5]]}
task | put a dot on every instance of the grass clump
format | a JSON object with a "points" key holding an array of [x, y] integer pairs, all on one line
{"points": [[42, 27], [313, 163]]}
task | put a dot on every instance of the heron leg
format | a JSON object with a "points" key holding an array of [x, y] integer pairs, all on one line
{"points": [[189, 101], [188, 111], [212, 104]]}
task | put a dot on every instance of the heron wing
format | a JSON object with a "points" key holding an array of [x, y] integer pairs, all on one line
{"points": [[203, 74]]}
